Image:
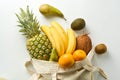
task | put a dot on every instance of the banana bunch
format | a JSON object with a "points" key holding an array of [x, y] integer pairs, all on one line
{"points": [[63, 42], [71, 41]]}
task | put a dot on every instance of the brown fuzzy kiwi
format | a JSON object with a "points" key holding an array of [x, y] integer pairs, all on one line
{"points": [[100, 48]]}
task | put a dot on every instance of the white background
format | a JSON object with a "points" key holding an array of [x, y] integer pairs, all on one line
{"points": [[102, 21]]}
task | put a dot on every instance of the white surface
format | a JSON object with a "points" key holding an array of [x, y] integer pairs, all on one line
{"points": [[102, 18]]}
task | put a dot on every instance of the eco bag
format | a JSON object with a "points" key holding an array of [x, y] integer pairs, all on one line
{"points": [[81, 70]]}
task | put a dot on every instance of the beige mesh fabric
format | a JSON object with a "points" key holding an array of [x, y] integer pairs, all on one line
{"points": [[81, 70]]}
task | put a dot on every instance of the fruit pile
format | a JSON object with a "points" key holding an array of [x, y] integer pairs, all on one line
{"points": [[65, 44], [52, 42]]}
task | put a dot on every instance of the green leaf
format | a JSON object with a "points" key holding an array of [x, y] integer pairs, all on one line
{"points": [[22, 30]]}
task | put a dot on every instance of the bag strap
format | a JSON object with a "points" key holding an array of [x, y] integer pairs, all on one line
{"points": [[90, 56], [102, 73], [90, 67]]}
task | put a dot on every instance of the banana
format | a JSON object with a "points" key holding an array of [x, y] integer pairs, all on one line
{"points": [[71, 41], [46, 30], [62, 33], [57, 40]]}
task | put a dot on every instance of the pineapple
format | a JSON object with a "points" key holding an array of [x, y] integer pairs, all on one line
{"points": [[37, 44]]}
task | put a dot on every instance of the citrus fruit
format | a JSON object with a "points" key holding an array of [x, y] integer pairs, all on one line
{"points": [[66, 60], [79, 55]]}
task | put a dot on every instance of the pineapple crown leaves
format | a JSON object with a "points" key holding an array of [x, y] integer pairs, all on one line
{"points": [[28, 23]]}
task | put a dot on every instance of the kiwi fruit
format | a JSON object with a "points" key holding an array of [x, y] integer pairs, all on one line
{"points": [[78, 24], [100, 48]]}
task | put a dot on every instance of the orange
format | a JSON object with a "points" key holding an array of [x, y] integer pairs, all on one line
{"points": [[79, 55], [66, 60]]}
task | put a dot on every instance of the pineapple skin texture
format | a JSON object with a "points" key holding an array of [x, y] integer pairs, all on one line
{"points": [[39, 47], [38, 44]]}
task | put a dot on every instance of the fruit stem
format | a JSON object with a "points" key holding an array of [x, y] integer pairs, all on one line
{"points": [[64, 18]]}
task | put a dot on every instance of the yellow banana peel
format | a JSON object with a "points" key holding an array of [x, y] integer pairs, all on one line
{"points": [[71, 41]]}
